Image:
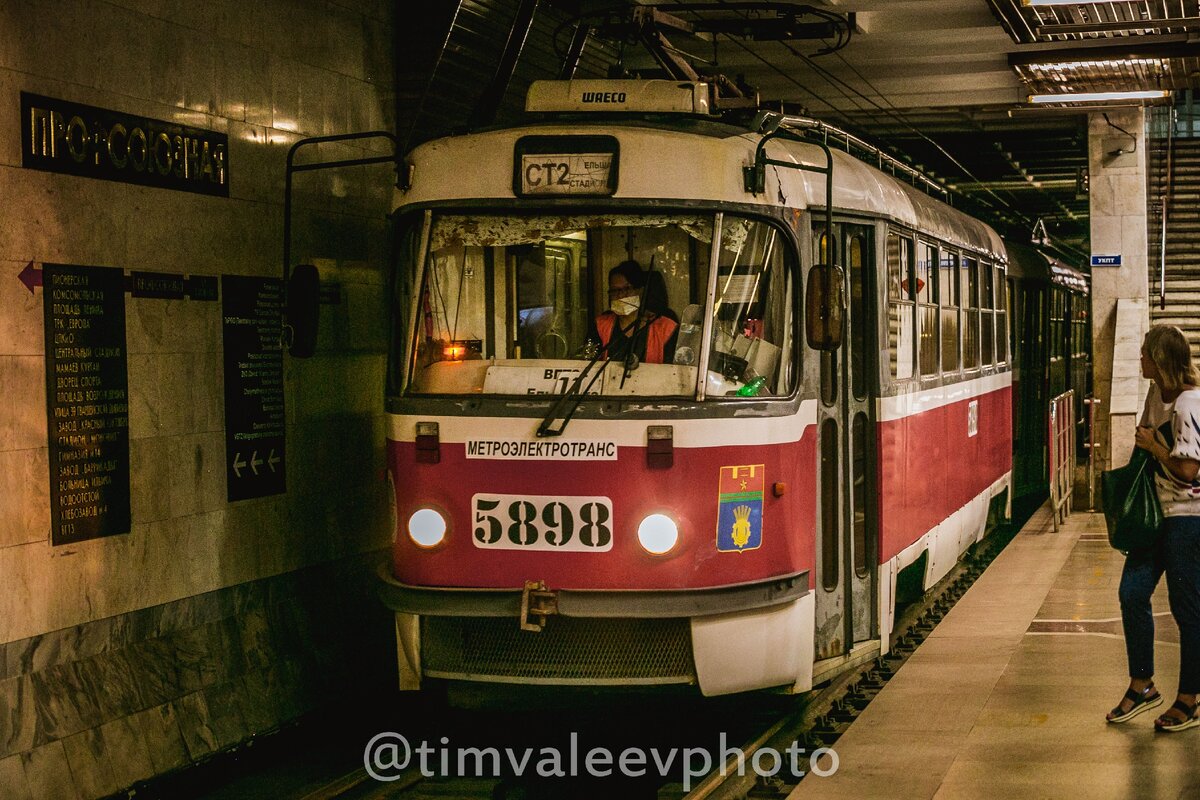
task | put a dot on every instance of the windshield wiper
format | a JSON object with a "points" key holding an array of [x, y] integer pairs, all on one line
{"points": [[572, 396]]}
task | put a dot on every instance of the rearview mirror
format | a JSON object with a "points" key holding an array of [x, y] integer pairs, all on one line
{"points": [[825, 307], [303, 309]]}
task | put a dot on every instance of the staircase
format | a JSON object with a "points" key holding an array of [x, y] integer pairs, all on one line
{"points": [[1183, 235]]}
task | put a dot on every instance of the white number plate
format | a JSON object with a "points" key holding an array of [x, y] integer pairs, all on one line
{"points": [[542, 522], [577, 173]]}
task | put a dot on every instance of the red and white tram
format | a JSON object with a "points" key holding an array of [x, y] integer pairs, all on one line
{"points": [[736, 518]]}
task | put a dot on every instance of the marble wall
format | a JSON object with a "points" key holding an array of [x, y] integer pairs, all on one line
{"points": [[106, 643], [1117, 181], [93, 709]]}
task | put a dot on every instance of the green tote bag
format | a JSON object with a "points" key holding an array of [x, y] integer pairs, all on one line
{"points": [[1131, 508]]}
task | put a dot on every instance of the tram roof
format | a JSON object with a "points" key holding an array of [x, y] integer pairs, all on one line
{"points": [[665, 159], [1032, 264], [1025, 261]]}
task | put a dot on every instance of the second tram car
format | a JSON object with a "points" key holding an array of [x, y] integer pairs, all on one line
{"points": [[1050, 341], [735, 517]]}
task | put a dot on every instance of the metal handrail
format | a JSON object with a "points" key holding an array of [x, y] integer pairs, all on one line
{"points": [[769, 121], [292, 168], [1166, 199], [1091, 403], [1061, 446]]}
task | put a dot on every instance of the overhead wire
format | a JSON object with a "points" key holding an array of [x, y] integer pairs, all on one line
{"points": [[1006, 209], [775, 67], [845, 89], [895, 114]]}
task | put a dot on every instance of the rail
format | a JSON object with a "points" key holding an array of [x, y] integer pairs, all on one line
{"points": [[769, 121], [1166, 199], [1061, 443], [1091, 403], [293, 168]]}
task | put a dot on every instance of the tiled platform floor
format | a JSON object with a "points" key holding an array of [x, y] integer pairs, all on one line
{"points": [[1007, 696]]}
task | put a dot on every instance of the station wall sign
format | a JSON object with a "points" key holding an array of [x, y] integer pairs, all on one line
{"points": [[87, 401], [1106, 261], [76, 139], [252, 328]]}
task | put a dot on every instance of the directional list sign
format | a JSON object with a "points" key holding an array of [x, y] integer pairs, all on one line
{"points": [[251, 311], [87, 401]]}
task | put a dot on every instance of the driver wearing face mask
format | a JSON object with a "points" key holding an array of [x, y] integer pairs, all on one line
{"points": [[637, 319]]}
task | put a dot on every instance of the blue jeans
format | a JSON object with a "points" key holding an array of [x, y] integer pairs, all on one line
{"points": [[1142, 570], [1178, 553], [1182, 536]]}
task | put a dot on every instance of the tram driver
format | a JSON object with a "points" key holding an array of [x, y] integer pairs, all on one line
{"points": [[638, 319]]}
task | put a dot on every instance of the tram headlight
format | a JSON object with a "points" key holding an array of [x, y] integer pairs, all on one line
{"points": [[427, 527], [657, 534]]}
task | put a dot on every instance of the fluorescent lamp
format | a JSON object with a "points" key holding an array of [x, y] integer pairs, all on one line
{"points": [[1063, 2], [1097, 97], [1072, 65]]}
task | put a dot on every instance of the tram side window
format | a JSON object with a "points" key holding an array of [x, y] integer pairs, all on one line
{"points": [[751, 349], [1079, 326], [1013, 300], [1001, 307], [901, 352], [987, 313], [829, 359], [1056, 322], [927, 315], [858, 250], [948, 298], [969, 287]]}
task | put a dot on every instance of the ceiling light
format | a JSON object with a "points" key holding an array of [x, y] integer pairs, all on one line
{"points": [[1058, 2], [1097, 97], [1124, 62]]}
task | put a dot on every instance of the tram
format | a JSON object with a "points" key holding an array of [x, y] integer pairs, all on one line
{"points": [[1050, 344], [733, 511]]}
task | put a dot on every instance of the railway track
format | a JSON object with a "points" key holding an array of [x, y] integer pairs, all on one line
{"points": [[322, 759], [806, 725], [833, 708]]}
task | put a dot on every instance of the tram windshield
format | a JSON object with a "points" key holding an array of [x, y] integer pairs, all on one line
{"points": [[519, 304]]}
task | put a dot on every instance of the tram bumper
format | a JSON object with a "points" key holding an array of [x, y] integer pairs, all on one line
{"points": [[723, 639]]}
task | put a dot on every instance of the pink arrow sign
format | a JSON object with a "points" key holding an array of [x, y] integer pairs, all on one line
{"points": [[31, 276]]}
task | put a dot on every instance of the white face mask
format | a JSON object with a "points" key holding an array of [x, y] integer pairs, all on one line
{"points": [[623, 306]]}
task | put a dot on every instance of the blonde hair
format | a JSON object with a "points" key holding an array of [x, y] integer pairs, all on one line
{"points": [[1168, 348]]}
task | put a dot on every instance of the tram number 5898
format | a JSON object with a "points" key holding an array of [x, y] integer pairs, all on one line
{"points": [[525, 522]]}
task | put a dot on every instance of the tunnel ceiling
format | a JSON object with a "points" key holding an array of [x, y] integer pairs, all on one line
{"points": [[946, 83]]}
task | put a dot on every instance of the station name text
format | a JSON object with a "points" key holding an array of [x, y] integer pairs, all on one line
{"points": [[82, 140]]}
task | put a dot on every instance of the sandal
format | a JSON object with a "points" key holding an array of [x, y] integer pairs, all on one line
{"points": [[1172, 724], [1142, 701]]}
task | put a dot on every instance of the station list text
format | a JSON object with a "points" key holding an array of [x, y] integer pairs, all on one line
{"points": [[252, 328], [87, 401]]}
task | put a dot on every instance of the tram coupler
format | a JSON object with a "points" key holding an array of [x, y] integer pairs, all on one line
{"points": [[537, 603]]}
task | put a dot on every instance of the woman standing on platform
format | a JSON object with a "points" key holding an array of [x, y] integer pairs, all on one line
{"points": [[1170, 431]]}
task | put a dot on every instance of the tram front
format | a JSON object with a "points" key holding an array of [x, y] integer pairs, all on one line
{"points": [[600, 436]]}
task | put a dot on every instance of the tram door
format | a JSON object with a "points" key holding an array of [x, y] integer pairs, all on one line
{"points": [[847, 562]]}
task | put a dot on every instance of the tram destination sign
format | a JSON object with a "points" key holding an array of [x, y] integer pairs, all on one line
{"points": [[87, 405], [252, 328], [565, 165], [75, 139]]}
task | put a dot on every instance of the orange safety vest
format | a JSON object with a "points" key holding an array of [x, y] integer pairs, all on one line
{"points": [[658, 333]]}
